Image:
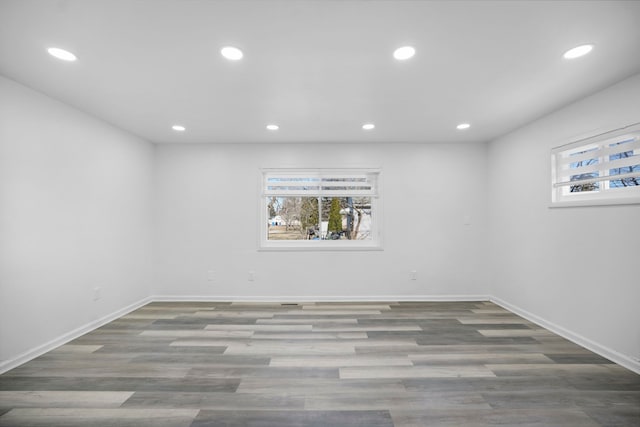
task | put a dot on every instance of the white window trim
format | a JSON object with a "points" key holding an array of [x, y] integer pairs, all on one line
{"points": [[604, 197], [375, 244]]}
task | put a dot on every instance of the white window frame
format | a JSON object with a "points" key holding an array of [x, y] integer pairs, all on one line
{"points": [[562, 156], [373, 244]]}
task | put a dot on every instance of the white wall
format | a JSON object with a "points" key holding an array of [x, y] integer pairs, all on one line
{"points": [[75, 204], [575, 268], [208, 218]]}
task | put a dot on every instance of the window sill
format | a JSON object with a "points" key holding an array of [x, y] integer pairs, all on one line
{"points": [[316, 247], [600, 202]]}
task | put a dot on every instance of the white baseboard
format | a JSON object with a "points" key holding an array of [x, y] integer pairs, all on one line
{"points": [[69, 336], [603, 351], [321, 298]]}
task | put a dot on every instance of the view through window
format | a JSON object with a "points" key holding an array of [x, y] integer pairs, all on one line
{"points": [[319, 218], [605, 168], [319, 206]]}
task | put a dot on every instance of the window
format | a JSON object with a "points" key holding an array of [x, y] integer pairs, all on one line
{"points": [[320, 209], [604, 169]]}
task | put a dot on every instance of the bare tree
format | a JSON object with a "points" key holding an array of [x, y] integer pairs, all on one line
{"points": [[614, 182], [274, 206], [290, 211], [629, 181], [589, 186]]}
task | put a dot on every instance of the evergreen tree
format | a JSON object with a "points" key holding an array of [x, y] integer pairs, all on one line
{"points": [[335, 219]]}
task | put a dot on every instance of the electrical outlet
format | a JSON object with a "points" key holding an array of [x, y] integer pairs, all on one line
{"points": [[97, 293], [252, 276], [413, 275]]}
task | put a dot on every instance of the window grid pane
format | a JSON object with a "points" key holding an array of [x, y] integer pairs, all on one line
{"points": [[599, 168]]}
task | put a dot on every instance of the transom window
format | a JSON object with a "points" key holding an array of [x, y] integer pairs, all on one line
{"points": [[600, 170], [320, 209]]}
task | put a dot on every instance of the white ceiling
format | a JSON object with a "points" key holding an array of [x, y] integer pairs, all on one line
{"points": [[319, 69]]}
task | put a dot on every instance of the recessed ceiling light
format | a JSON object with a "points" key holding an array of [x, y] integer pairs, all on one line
{"points": [[577, 52], [368, 126], [65, 55], [231, 53], [404, 52], [178, 128], [463, 126]]}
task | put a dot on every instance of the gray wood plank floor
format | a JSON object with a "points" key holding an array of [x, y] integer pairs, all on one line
{"points": [[320, 364]]}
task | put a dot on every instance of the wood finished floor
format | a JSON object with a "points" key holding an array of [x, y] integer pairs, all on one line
{"points": [[320, 364]]}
